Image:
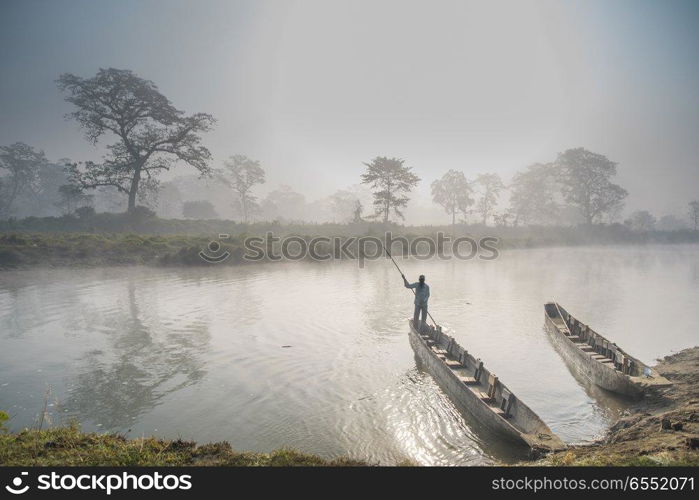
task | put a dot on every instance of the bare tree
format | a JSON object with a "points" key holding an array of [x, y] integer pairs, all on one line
{"points": [[242, 174], [490, 187], [151, 133], [390, 181], [453, 193], [694, 214], [585, 177], [22, 164]]}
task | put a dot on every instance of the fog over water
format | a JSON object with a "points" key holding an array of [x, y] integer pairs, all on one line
{"points": [[316, 356], [150, 150], [314, 88]]}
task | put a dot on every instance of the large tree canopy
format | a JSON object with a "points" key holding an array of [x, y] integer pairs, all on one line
{"points": [[533, 195], [453, 193], [390, 181], [151, 134], [586, 179]]}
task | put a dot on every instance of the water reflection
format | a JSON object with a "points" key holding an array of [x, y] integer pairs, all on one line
{"points": [[142, 365], [606, 405], [384, 313], [316, 356]]}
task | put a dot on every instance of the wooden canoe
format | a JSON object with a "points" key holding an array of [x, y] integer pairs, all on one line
{"points": [[479, 392], [595, 358]]}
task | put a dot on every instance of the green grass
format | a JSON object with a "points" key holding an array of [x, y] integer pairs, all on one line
{"points": [[68, 446], [87, 249], [118, 239], [602, 457]]}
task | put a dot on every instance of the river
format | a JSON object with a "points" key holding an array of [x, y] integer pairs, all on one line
{"points": [[315, 356]]}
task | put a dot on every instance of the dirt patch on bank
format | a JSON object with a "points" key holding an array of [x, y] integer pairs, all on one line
{"points": [[661, 429]]}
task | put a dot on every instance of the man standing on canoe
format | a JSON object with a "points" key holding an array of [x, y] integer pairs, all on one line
{"points": [[422, 295]]}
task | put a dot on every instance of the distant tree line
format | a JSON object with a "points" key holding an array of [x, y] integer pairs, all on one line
{"points": [[578, 181], [149, 135]]}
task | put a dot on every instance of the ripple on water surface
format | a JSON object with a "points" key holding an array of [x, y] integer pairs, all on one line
{"points": [[316, 356]]}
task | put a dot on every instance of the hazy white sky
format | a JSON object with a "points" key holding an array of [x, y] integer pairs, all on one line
{"points": [[314, 88]]}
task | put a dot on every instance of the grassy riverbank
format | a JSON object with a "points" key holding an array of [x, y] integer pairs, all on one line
{"points": [[67, 446], [639, 438], [143, 223], [85, 249]]}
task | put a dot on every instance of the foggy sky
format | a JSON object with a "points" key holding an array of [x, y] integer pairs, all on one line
{"points": [[314, 88]]}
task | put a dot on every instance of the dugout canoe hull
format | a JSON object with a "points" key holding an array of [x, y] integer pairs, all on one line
{"points": [[595, 359], [455, 371]]}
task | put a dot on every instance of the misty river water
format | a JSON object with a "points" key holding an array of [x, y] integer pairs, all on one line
{"points": [[316, 356]]}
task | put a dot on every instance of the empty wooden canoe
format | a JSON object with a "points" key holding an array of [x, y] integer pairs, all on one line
{"points": [[595, 358], [479, 392]]}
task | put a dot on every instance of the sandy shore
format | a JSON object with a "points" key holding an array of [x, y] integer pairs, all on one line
{"points": [[661, 429]]}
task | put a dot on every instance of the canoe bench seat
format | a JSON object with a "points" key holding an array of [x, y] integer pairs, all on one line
{"points": [[497, 410], [598, 356], [468, 380], [605, 360], [484, 396], [586, 348], [489, 396], [452, 363], [574, 338], [438, 350]]}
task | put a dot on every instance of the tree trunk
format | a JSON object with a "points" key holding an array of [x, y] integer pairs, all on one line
{"points": [[587, 211], [134, 190]]}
